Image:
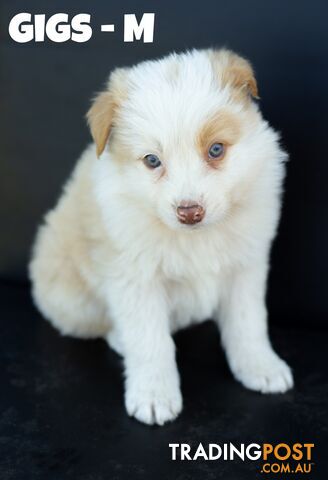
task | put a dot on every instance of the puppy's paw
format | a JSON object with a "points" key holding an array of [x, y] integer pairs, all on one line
{"points": [[114, 342], [156, 400], [264, 372]]}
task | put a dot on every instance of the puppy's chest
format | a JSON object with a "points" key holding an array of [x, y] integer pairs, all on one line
{"points": [[185, 261], [193, 300], [192, 275]]}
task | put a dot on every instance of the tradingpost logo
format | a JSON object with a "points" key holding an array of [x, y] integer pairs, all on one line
{"points": [[273, 458]]}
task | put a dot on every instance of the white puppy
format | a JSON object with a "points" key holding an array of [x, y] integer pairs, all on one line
{"points": [[171, 225]]}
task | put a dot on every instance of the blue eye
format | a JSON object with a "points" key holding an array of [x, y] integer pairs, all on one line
{"points": [[216, 150], [152, 161]]}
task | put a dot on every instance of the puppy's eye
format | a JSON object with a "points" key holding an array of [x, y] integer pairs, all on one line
{"points": [[152, 161], [216, 150]]}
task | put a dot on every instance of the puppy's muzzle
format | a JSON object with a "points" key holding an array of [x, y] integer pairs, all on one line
{"points": [[190, 213]]}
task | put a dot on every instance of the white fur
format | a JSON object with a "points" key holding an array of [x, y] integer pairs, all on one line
{"points": [[112, 259]]}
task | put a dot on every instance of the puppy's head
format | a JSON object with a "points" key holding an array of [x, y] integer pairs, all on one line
{"points": [[183, 134]]}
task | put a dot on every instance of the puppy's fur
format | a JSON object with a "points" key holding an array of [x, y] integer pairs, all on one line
{"points": [[112, 259]]}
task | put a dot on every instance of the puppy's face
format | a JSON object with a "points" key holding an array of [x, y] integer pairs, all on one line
{"points": [[182, 133]]}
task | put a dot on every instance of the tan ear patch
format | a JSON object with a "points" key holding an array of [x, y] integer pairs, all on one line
{"points": [[236, 72], [101, 114], [223, 127], [100, 117]]}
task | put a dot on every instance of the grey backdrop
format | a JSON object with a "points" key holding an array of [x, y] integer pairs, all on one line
{"points": [[45, 91]]}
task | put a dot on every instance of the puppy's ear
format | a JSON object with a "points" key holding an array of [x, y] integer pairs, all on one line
{"points": [[236, 72], [101, 115]]}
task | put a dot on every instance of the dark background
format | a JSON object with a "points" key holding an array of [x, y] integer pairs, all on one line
{"points": [[46, 88], [61, 400]]}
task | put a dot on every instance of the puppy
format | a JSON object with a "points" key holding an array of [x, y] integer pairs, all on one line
{"points": [[168, 220]]}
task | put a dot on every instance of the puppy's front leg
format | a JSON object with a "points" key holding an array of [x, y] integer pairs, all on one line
{"points": [[152, 386], [243, 323]]}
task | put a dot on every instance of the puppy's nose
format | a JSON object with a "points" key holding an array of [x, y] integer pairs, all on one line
{"points": [[190, 213]]}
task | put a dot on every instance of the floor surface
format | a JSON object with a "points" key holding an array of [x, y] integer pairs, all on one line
{"points": [[62, 414]]}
